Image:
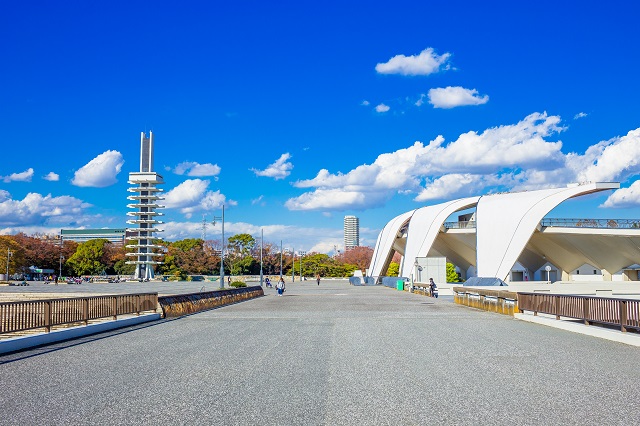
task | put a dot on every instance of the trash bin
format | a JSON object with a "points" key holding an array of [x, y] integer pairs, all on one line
{"points": [[400, 285]]}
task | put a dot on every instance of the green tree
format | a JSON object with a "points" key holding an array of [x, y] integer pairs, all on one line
{"points": [[241, 245], [452, 275], [121, 268], [90, 258], [393, 270]]}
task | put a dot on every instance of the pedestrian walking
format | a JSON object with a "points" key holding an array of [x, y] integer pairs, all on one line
{"points": [[268, 282], [318, 278], [280, 286]]}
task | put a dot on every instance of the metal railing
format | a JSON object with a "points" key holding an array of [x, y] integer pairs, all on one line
{"points": [[32, 314], [499, 301], [592, 223], [624, 313], [565, 223], [460, 225]]}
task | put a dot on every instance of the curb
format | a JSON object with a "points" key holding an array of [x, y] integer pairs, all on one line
{"points": [[588, 330], [15, 344]]}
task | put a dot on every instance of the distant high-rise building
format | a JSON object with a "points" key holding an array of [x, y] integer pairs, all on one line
{"points": [[145, 200], [351, 232]]}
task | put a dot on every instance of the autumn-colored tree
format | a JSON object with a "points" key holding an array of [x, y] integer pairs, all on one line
{"points": [[188, 256], [359, 256], [36, 252], [10, 251]]}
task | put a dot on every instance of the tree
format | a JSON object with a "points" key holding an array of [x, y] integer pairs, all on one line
{"points": [[90, 258], [358, 256], [393, 270], [121, 268], [40, 253], [16, 259], [452, 275], [189, 256], [241, 245]]}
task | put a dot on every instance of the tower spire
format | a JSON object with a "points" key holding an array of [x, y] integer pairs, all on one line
{"points": [[144, 215]]}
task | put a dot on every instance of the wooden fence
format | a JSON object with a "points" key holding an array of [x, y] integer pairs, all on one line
{"points": [[28, 315], [623, 313]]}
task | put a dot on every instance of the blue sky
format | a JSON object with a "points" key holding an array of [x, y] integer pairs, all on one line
{"points": [[294, 115]]}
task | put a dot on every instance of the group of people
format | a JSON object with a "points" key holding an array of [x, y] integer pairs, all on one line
{"points": [[280, 286]]}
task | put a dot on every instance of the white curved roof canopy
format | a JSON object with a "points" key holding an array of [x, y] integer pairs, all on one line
{"points": [[506, 222], [384, 246], [424, 228]]}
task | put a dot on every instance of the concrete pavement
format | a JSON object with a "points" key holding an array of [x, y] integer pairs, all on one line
{"points": [[328, 355]]}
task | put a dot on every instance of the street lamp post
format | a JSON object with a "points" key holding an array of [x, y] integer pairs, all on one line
{"points": [[300, 260], [415, 271], [8, 258], [261, 246], [61, 260], [293, 264], [280, 258], [221, 218]]}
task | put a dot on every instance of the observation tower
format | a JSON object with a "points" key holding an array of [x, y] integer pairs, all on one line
{"points": [[144, 215]]}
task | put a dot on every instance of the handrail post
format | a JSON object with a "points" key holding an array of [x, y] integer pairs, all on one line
{"points": [[623, 315], [585, 310], [557, 306], [137, 305], [85, 310], [114, 307], [536, 303], [47, 315]]}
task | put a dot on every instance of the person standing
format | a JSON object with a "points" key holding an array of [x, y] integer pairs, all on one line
{"points": [[318, 278], [280, 286], [433, 289]]}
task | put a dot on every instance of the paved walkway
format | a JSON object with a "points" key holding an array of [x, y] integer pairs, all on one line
{"points": [[328, 355]]}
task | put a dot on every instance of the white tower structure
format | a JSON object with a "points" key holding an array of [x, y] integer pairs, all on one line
{"points": [[144, 214], [351, 232]]}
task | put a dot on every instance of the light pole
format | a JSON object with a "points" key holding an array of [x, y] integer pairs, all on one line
{"points": [[261, 246], [415, 271], [280, 258], [293, 265], [300, 260], [548, 269], [221, 218], [61, 259], [8, 258]]}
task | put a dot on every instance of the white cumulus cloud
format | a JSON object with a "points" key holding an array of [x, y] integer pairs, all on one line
{"points": [[580, 115], [51, 177], [194, 195], [624, 197], [280, 169], [196, 169], [521, 156], [99, 172], [425, 63], [451, 97], [19, 177], [615, 159], [36, 209], [382, 108]]}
